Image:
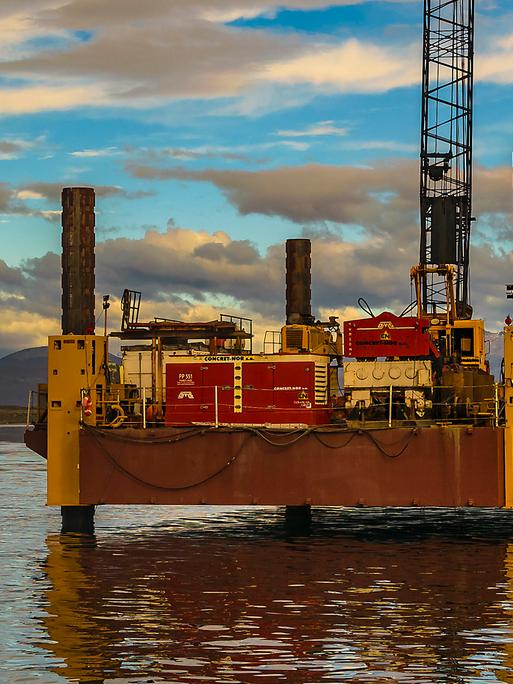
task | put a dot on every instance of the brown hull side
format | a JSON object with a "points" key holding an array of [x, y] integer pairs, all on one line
{"points": [[436, 466], [36, 440]]}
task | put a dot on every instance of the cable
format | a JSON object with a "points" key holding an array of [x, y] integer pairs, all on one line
{"points": [[260, 434], [139, 480], [316, 431], [117, 436], [362, 303], [370, 436], [335, 446]]}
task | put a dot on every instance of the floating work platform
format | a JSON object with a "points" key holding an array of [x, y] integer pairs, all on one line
{"points": [[325, 466]]}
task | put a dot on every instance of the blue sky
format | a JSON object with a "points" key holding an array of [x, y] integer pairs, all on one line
{"points": [[234, 122]]}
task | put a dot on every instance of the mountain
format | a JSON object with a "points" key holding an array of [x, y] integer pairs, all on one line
{"points": [[495, 352], [21, 372]]}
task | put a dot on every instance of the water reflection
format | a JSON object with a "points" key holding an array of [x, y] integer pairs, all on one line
{"points": [[366, 597]]}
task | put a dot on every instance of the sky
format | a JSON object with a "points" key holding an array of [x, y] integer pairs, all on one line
{"points": [[212, 131]]}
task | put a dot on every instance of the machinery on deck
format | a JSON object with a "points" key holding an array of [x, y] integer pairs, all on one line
{"points": [[434, 364]]}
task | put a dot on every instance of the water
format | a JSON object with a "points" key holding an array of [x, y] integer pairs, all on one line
{"points": [[232, 595]]}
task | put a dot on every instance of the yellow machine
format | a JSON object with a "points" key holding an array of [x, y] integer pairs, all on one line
{"points": [[76, 389], [460, 339], [508, 414], [314, 339]]}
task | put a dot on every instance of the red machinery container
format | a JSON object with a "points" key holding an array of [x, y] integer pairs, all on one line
{"points": [[251, 390], [388, 335]]}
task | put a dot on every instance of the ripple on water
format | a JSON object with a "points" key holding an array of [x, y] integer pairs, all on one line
{"points": [[233, 595]]}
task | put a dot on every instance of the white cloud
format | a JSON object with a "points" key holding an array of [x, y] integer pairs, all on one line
{"points": [[323, 128], [40, 98], [89, 154], [142, 55], [496, 65], [29, 195], [354, 66], [389, 145]]}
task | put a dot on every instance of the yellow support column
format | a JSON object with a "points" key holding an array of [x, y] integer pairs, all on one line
{"points": [[75, 364], [508, 403]]}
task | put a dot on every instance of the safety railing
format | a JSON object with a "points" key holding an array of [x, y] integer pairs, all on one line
{"points": [[272, 341], [37, 406], [119, 408], [214, 405]]}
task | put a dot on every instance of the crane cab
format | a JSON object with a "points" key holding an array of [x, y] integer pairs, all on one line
{"points": [[462, 341]]}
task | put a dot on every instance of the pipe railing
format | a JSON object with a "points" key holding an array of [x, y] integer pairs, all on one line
{"points": [[215, 406]]}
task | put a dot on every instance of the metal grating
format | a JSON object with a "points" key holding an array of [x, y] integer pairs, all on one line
{"points": [[321, 383], [294, 338]]}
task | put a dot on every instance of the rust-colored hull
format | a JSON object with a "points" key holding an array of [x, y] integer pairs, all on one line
{"points": [[36, 439], [435, 466]]}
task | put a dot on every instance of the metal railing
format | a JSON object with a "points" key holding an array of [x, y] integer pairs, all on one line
{"points": [[214, 405], [272, 341]]}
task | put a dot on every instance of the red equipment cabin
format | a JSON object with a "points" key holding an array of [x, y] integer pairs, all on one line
{"points": [[388, 335], [251, 390]]}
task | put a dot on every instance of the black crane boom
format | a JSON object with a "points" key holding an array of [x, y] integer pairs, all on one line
{"points": [[446, 150]]}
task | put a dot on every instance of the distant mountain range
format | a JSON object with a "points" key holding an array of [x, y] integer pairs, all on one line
{"points": [[495, 352], [21, 371]]}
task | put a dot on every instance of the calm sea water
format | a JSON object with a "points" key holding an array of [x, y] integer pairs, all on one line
{"points": [[232, 595]]}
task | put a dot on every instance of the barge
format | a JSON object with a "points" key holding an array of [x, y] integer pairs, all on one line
{"points": [[387, 410]]}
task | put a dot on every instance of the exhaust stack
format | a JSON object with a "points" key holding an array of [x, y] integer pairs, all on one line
{"points": [[299, 282], [78, 261]]}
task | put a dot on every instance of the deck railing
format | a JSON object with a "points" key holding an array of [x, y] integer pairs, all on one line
{"points": [[215, 406]]}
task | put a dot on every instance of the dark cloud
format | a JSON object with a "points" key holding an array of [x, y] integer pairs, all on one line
{"points": [[146, 59], [9, 276], [184, 273], [172, 49], [236, 252], [11, 148], [53, 191], [90, 14], [383, 199]]}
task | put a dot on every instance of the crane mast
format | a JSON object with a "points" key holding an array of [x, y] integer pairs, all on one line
{"points": [[446, 155]]}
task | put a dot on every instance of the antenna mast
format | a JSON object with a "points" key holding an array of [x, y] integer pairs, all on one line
{"points": [[446, 153]]}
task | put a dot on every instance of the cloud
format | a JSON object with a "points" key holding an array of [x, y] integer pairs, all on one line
{"points": [[148, 54], [9, 275], [496, 65], [38, 98], [144, 54], [193, 275], [88, 14], [354, 66], [15, 148], [29, 195], [192, 153], [382, 198], [19, 200], [91, 154], [53, 191], [323, 128], [389, 145]]}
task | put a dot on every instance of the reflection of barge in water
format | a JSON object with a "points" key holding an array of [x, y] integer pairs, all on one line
{"points": [[360, 581]]}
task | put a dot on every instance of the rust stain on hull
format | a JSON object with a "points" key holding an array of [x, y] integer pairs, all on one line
{"points": [[436, 466]]}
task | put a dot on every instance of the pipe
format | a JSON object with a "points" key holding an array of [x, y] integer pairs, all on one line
{"points": [[299, 282], [78, 261], [390, 404]]}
